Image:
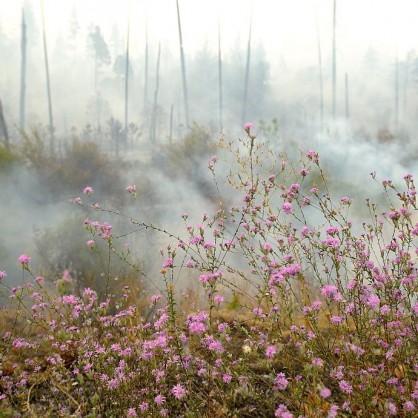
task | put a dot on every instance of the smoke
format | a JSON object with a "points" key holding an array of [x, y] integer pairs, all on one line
{"points": [[283, 85]]}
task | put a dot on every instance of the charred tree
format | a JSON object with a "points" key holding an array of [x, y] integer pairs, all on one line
{"points": [[321, 80], [127, 85], [48, 81], [220, 78], [247, 76], [153, 130], [23, 46], [183, 68], [334, 62], [3, 127]]}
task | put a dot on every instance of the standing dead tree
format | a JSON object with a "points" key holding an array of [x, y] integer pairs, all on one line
{"points": [[334, 62], [183, 68], [48, 81], [3, 127], [247, 76], [127, 85], [23, 45], [153, 130], [220, 77], [321, 80]]}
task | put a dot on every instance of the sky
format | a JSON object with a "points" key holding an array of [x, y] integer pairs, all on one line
{"points": [[286, 28]]}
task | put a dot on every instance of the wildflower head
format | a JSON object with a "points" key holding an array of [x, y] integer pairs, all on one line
{"points": [[91, 243], [287, 208], [24, 259], [248, 126], [88, 190], [131, 189]]}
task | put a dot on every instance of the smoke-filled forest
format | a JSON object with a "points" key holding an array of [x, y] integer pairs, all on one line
{"points": [[208, 208]]}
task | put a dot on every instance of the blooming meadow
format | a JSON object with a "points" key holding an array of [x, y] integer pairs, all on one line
{"points": [[301, 312]]}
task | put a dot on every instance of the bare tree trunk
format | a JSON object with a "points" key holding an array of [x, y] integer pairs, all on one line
{"points": [[347, 103], [396, 94], [153, 133], [247, 76], [220, 78], [321, 81], [23, 73], [127, 85], [183, 68], [3, 126], [146, 74], [48, 82], [170, 138], [334, 62]]}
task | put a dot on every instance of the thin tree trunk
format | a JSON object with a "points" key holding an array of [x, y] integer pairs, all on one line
{"points": [[127, 85], [396, 94], [247, 76], [183, 68], [3, 127], [23, 73], [334, 62], [321, 80], [220, 77], [48, 82], [146, 74], [347, 103], [171, 123], [153, 133], [405, 86]]}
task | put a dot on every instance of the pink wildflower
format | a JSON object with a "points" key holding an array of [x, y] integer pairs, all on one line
{"points": [[143, 406], [168, 263], [218, 299], [226, 378], [270, 351], [373, 301], [409, 406], [24, 259], [178, 391], [2, 274], [346, 200], [91, 243], [313, 156], [88, 191], [345, 386], [336, 319], [287, 208], [304, 172], [332, 412], [281, 381], [159, 399], [131, 189], [131, 412], [248, 126]]}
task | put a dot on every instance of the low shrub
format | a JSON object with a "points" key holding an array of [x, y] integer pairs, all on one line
{"points": [[306, 312]]}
